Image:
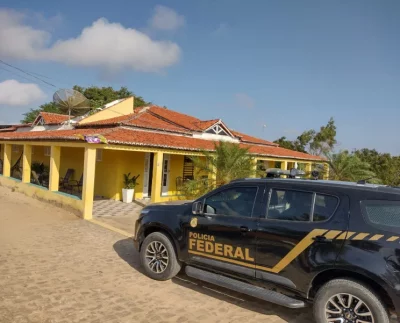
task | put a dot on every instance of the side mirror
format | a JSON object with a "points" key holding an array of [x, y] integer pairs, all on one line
{"points": [[197, 207]]}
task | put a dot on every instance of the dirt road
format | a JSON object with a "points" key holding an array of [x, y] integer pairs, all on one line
{"points": [[57, 268]]}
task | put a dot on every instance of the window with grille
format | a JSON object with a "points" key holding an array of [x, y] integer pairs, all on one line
{"points": [[383, 214], [47, 151], [188, 169]]}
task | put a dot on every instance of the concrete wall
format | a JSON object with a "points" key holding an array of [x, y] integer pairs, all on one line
{"points": [[72, 157], [114, 164], [122, 108], [38, 155], [63, 200], [109, 178]]}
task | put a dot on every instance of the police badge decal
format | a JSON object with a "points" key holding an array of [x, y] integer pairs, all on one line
{"points": [[193, 222]]}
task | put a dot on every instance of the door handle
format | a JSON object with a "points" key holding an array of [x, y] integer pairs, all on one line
{"points": [[244, 229], [321, 239]]}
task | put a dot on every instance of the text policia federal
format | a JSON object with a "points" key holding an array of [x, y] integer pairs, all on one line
{"points": [[205, 244]]}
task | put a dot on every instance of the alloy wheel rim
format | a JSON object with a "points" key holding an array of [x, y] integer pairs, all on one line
{"points": [[347, 308], [157, 257]]}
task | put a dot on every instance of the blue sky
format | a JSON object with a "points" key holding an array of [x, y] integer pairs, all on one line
{"points": [[290, 65]]}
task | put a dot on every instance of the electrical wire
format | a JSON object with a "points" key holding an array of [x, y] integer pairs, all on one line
{"points": [[25, 78], [21, 70]]}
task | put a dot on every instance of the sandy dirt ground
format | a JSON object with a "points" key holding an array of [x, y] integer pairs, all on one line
{"points": [[57, 268]]}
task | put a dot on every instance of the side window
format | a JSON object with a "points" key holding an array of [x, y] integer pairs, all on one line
{"points": [[235, 201], [290, 205], [382, 214], [325, 206]]}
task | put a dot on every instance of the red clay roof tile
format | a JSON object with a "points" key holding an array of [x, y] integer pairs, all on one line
{"points": [[53, 118], [127, 136]]}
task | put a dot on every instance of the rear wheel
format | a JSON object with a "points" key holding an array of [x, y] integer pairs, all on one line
{"points": [[158, 257], [347, 301]]}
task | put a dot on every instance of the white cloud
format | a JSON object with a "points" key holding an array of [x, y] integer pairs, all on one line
{"points": [[106, 45], [18, 40], [165, 18], [15, 93], [244, 100]]}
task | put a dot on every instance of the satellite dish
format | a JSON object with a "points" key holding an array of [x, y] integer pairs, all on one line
{"points": [[71, 101]]}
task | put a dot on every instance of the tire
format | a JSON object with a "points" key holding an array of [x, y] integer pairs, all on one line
{"points": [[155, 248], [359, 292]]}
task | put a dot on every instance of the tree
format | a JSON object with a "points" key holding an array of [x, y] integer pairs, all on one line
{"points": [[98, 96], [385, 166], [313, 142], [228, 162], [345, 166]]}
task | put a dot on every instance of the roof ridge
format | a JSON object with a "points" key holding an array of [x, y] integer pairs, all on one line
{"points": [[219, 119], [155, 114]]}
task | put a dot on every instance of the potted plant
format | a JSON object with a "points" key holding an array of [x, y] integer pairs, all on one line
{"points": [[129, 187]]}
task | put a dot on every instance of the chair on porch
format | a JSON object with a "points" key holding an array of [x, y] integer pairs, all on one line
{"points": [[65, 181], [16, 169], [35, 178], [78, 184]]}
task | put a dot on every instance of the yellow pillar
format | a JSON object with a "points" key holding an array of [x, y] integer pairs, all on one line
{"points": [[308, 169], [26, 164], [54, 179], [254, 168], [7, 160], [284, 165], [157, 177], [89, 170], [326, 171]]}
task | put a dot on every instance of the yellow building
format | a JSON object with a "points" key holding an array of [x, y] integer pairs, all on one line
{"points": [[97, 149]]}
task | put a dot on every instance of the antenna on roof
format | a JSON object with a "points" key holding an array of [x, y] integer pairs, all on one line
{"points": [[69, 100]]}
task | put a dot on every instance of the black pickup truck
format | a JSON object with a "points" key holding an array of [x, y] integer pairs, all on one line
{"points": [[335, 245]]}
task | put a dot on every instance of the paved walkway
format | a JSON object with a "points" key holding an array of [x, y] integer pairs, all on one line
{"points": [[56, 268]]}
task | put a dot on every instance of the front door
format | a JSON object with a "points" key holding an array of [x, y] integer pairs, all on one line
{"points": [[146, 175], [224, 237], [165, 175], [297, 234]]}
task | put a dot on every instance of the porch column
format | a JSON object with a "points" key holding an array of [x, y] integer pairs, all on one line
{"points": [[89, 171], [157, 177], [308, 169], [326, 171], [54, 179], [26, 164], [7, 160], [284, 165], [254, 168]]}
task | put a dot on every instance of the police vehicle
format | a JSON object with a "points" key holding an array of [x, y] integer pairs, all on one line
{"points": [[335, 245]]}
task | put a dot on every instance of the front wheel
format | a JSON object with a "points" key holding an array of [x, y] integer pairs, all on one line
{"points": [[158, 257], [347, 301]]}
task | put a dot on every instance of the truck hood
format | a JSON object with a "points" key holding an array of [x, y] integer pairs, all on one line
{"points": [[168, 207]]}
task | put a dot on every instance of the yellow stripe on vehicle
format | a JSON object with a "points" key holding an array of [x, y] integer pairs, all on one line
{"points": [[298, 249], [360, 236], [376, 237], [345, 235], [391, 239], [332, 234]]}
